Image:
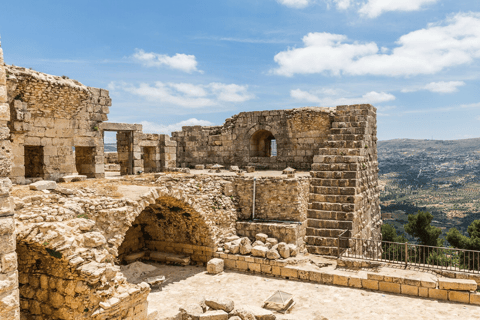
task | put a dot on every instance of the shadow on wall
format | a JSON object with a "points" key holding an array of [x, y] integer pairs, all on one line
{"points": [[169, 225]]}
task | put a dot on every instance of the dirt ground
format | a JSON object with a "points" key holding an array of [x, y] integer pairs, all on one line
{"points": [[187, 285]]}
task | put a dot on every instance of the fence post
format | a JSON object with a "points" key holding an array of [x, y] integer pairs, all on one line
{"points": [[406, 254]]}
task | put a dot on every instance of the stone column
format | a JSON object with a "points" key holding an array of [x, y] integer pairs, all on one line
{"points": [[168, 152], [9, 296]]}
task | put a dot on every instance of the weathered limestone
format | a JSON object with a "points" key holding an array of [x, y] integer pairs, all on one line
{"points": [[9, 293], [215, 266], [246, 139]]}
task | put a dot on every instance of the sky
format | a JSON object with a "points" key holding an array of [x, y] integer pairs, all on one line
{"points": [[189, 62]]}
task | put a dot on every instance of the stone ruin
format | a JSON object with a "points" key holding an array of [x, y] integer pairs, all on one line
{"points": [[70, 238]]}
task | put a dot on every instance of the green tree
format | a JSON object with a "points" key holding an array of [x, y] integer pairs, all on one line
{"points": [[419, 227], [390, 234], [458, 240]]}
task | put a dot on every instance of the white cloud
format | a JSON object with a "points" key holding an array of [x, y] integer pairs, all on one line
{"points": [[374, 8], [343, 4], [425, 51], [370, 97], [295, 3], [180, 61], [438, 87], [152, 127], [187, 95]]}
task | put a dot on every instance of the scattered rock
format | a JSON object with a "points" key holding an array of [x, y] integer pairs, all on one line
{"points": [[293, 250], [259, 251], [43, 185], [193, 310], [284, 250], [224, 304], [272, 241], [234, 169], [215, 266], [199, 167], [260, 313], [245, 246], [243, 314], [273, 254], [73, 178], [258, 243], [250, 169], [261, 237]]}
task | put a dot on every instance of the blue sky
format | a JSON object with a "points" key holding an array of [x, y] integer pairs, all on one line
{"points": [[174, 63]]}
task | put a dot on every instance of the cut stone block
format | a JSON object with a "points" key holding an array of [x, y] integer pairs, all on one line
{"points": [[43, 185], [215, 266], [457, 284], [224, 304], [73, 178]]}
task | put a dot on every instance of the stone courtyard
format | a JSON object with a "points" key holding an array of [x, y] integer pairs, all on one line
{"points": [[267, 192]]}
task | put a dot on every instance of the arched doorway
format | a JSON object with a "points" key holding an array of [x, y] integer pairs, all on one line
{"points": [[263, 144], [169, 225]]}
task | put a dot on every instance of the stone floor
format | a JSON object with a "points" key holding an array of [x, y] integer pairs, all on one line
{"points": [[187, 285]]}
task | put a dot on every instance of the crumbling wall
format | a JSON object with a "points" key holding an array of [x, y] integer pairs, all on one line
{"points": [[9, 294], [57, 114], [298, 134]]}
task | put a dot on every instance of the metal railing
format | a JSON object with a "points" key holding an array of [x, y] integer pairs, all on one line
{"points": [[410, 254]]}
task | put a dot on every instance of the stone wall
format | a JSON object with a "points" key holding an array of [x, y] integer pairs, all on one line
{"points": [[245, 139], [276, 198], [344, 187], [293, 233], [53, 114], [9, 294], [159, 152]]}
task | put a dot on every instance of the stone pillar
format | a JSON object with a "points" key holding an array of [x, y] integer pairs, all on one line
{"points": [[137, 162], [9, 294], [168, 152]]}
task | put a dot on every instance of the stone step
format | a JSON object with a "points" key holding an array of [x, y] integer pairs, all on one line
{"points": [[327, 206], [329, 215], [321, 241], [329, 224], [330, 233], [345, 191], [328, 251], [334, 182]]}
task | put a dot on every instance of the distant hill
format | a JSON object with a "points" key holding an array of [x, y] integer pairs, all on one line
{"points": [[110, 147], [442, 146]]}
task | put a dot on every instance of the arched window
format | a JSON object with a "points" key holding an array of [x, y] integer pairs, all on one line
{"points": [[261, 144]]}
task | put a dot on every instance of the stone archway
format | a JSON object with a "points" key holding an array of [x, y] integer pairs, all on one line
{"points": [[169, 225], [261, 143]]}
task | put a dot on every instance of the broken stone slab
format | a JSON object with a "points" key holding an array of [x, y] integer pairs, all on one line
{"points": [[260, 313], [73, 178], [155, 281], [261, 237], [170, 257], [242, 313], [64, 191], [259, 251], [216, 303], [215, 266], [192, 311], [43, 185], [214, 315]]}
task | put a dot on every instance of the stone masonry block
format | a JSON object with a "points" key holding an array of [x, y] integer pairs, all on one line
{"points": [[459, 296], [215, 266], [438, 294], [457, 284], [409, 290], [389, 287], [475, 298], [370, 284]]}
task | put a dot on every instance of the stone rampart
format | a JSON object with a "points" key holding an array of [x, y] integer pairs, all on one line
{"points": [[249, 138], [49, 116]]}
